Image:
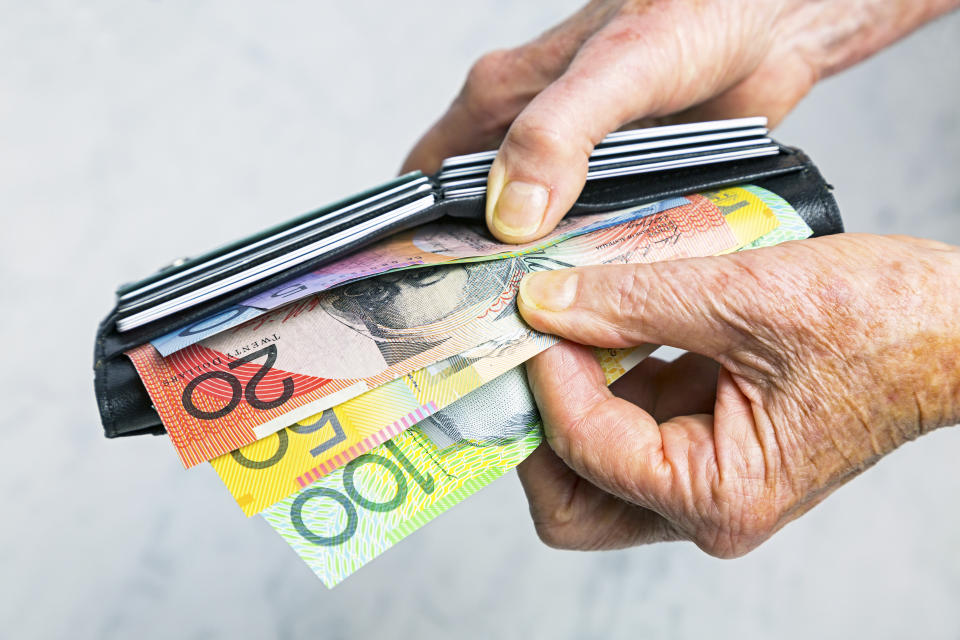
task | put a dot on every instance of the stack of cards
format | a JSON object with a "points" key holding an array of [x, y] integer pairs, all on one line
{"points": [[637, 151]]}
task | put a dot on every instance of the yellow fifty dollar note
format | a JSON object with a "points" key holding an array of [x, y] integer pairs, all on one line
{"points": [[263, 472]]}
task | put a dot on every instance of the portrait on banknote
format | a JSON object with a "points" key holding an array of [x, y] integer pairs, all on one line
{"points": [[408, 312]]}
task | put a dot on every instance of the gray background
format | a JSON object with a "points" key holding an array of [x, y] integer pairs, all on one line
{"points": [[131, 133]]}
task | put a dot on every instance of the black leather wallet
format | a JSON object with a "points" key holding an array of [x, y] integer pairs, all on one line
{"points": [[125, 407]]}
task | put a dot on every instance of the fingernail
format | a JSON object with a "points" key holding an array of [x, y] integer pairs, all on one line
{"points": [[519, 208], [549, 290]]}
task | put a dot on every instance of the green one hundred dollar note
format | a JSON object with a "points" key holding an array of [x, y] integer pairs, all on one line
{"points": [[344, 520]]}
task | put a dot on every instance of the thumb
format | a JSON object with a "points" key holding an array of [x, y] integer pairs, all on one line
{"points": [[539, 171], [542, 164], [694, 304]]}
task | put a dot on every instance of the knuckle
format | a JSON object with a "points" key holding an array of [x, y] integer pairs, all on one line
{"points": [[490, 69], [574, 439], [535, 134], [543, 136], [561, 528], [555, 521], [630, 294], [739, 527], [486, 92], [554, 536]]}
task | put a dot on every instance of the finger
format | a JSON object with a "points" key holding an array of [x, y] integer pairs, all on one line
{"points": [[628, 70], [617, 446], [582, 419], [541, 165], [570, 513], [694, 304], [499, 85]]}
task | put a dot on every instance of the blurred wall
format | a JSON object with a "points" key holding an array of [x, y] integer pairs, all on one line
{"points": [[131, 133]]}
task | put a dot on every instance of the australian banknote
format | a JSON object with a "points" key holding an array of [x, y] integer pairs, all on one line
{"points": [[244, 384], [432, 244]]}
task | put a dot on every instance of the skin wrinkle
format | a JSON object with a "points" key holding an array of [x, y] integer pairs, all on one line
{"points": [[724, 296], [559, 442], [683, 305], [620, 475], [725, 475], [676, 451], [579, 450], [567, 516], [780, 442], [763, 430]]}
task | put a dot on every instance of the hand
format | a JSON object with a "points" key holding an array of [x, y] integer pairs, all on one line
{"points": [[814, 359], [640, 62]]}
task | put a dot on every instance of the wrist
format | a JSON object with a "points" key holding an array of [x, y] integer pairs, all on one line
{"points": [[915, 355], [877, 364], [832, 36], [937, 348]]}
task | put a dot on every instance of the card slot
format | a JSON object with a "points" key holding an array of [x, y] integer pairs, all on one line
{"points": [[271, 250], [112, 343], [350, 235], [236, 250]]}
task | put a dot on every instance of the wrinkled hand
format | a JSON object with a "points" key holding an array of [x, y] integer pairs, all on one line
{"points": [[815, 359], [643, 62]]}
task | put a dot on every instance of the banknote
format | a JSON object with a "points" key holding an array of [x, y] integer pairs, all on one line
{"points": [[263, 472], [295, 361], [346, 519], [452, 241]]}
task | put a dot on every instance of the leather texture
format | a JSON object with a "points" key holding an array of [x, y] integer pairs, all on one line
{"points": [[125, 407]]}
